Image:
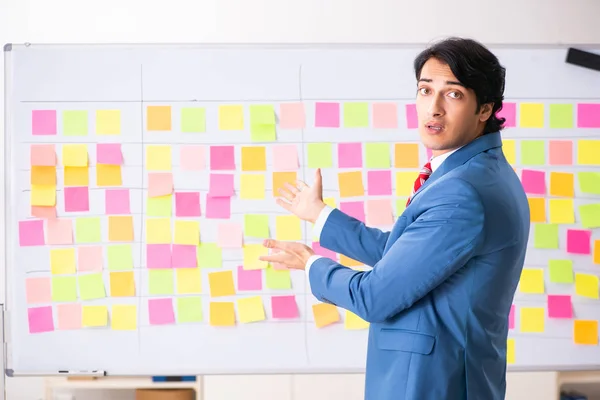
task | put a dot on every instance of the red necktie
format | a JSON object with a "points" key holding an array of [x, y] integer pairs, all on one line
{"points": [[423, 175]]}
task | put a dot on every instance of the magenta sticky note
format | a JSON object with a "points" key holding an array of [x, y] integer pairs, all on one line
{"points": [[31, 233], [285, 157], [40, 319], [43, 122], [355, 209], [109, 153], [116, 201], [429, 153], [385, 116], [42, 155], [161, 311], [559, 306], [509, 112], [350, 155], [160, 184], [77, 199], [412, 121], [379, 183], [291, 116], [59, 231], [511, 317], [218, 207], [284, 307], [322, 251], [220, 185], [249, 279], [158, 256], [222, 158], [578, 241], [588, 115], [184, 256], [187, 204], [327, 115], [534, 182]]}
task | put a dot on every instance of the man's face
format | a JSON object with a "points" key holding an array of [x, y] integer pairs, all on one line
{"points": [[446, 109]]}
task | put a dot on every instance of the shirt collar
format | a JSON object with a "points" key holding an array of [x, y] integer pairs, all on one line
{"points": [[437, 161]]}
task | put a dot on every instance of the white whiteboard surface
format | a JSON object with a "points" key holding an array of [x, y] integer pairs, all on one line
{"points": [[131, 78]]}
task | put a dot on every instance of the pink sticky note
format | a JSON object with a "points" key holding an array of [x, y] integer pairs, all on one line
{"points": [[230, 235], [379, 183], [193, 158], [221, 185], [89, 258], [284, 307], [43, 122], [250, 279], [161, 311], [222, 158], [68, 316], [38, 290], [322, 251], [31, 233], [158, 256], [187, 204], [59, 231], [412, 121], [561, 152], [355, 209], [285, 157], [379, 212], [509, 111], [327, 115], [588, 115], [160, 184], [291, 116], [429, 153], [578, 241], [184, 256], [43, 212], [77, 199], [40, 319], [42, 155], [511, 317], [350, 155], [117, 201], [559, 306], [109, 153], [218, 207], [534, 182], [385, 116]]}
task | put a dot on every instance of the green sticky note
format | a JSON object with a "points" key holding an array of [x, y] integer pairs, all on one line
{"points": [[91, 286], [120, 257], [256, 226], [400, 206], [320, 155], [160, 281], [561, 271], [589, 182], [64, 288], [533, 152], [546, 236], [189, 309], [75, 123], [590, 215], [87, 230], [377, 155], [193, 120], [561, 115], [209, 255], [356, 115], [262, 123], [160, 206], [278, 278]]}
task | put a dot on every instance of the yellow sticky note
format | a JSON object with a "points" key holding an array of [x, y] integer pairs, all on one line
{"points": [[330, 201], [325, 314], [74, 155], [158, 158], [124, 317], [509, 148], [405, 181], [43, 175], [251, 309], [531, 115], [279, 178], [221, 283], [287, 228], [94, 316], [77, 176], [108, 122], [158, 118], [108, 175], [351, 184], [532, 319], [187, 232], [158, 231], [532, 280], [122, 284], [254, 158], [189, 280], [537, 209], [562, 211], [120, 228], [231, 118], [585, 332], [588, 152], [562, 184], [586, 285], [510, 351], [252, 186], [222, 313], [62, 260], [406, 155], [354, 322], [43, 195], [252, 251]]}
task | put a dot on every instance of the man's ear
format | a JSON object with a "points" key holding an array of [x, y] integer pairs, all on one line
{"points": [[485, 112]]}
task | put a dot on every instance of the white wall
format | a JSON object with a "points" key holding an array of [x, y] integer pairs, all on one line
{"points": [[85, 21]]}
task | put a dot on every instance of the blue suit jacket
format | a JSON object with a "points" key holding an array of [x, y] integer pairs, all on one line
{"points": [[442, 283]]}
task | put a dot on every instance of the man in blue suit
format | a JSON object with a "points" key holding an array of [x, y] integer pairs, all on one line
{"points": [[443, 279]]}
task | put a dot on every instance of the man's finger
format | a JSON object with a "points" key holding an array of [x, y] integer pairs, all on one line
{"points": [[293, 189], [274, 258], [275, 244], [301, 185], [287, 206], [289, 196]]}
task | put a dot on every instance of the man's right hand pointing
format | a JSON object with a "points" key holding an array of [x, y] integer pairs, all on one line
{"points": [[306, 202]]}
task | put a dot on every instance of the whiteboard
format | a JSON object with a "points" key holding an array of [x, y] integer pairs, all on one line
{"points": [[318, 94]]}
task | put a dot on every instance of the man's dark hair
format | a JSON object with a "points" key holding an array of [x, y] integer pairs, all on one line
{"points": [[476, 68]]}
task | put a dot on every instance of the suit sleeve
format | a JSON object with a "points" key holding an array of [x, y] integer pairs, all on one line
{"points": [[441, 241]]}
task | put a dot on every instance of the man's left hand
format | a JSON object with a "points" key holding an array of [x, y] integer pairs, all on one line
{"points": [[289, 254]]}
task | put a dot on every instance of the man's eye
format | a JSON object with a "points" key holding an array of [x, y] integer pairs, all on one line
{"points": [[423, 90], [455, 95]]}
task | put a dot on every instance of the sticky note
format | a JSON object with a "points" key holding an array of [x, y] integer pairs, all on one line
{"points": [[532, 281], [252, 186], [91, 286], [561, 116], [189, 309], [117, 201], [187, 204], [221, 185], [158, 256], [160, 184], [93, 316], [108, 122], [64, 288], [377, 155], [330, 201], [43, 155], [45, 212], [122, 284], [88, 230], [509, 113], [120, 228], [533, 152], [160, 206], [158, 158], [379, 183], [585, 332], [109, 153], [327, 115], [285, 157], [262, 123], [43, 195], [510, 351], [351, 184], [562, 184], [160, 282], [356, 115], [533, 319], [218, 207], [385, 116], [209, 255], [108, 175], [562, 211], [59, 231], [379, 212], [68, 316], [406, 155], [184, 256], [590, 215], [77, 199], [119, 256], [291, 116], [537, 209], [545, 236], [75, 122], [222, 313], [509, 148], [531, 115], [596, 251], [322, 251], [158, 118], [561, 152], [43, 175], [90, 258], [230, 235], [578, 241], [189, 280], [589, 182], [161, 311], [405, 182], [320, 155], [284, 307], [287, 228], [277, 279], [412, 119], [251, 309], [588, 152], [222, 158], [561, 271], [123, 317], [588, 115], [221, 283], [279, 178], [586, 285], [511, 317], [158, 230], [349, 262], [248, 279], [231, 118], [350, 155], [534, 182], [254, 158], [354, 322], [192, 158], [40, 319], [559, 306], [193, 120], [256, 226], [252, 252], [400, 206], [325, 314], [43, 122], [355, 209], [74, 155], [77, 176], [38, 290], [187, 232], [62, 260], [31, 233]]}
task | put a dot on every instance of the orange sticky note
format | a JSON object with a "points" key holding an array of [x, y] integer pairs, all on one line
{"points": [[43, 175], [349, 262], [159, 118], [122, 284], [120, 228], [325, 314], [562, 184], [537, 209], [222, 313], [279, 178], [406, 155], [596, 251], [351, 184], [221, 283], [254, 158], [108, 175], [77, 176], [585, 332]]}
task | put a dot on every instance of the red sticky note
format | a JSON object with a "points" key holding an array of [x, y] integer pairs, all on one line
{"points": [[42, 155], [161, 311], [31, 233], [284, 307], [291, 116], [193, 158], [385, 116], [578, 241], [89, 258], [588, 115], [249, 279], [43, 122], [327, 115], [187, 204], [355, 209], [285, 157], [379, 212], [534, 182], [158, 256], [511, 317], [117, 201], [77, 199], [509, 111], [412, 121], [218, 207], [561, 152], [221, 185], [350, 155], [109, 153], [184, 256], [379, 182], [40, 319], [322, 251], [160, 184], [222, 158], [60, 231], [559, 306]]}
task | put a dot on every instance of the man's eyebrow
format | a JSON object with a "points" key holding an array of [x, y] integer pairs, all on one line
{"points": [[447, 82]]}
